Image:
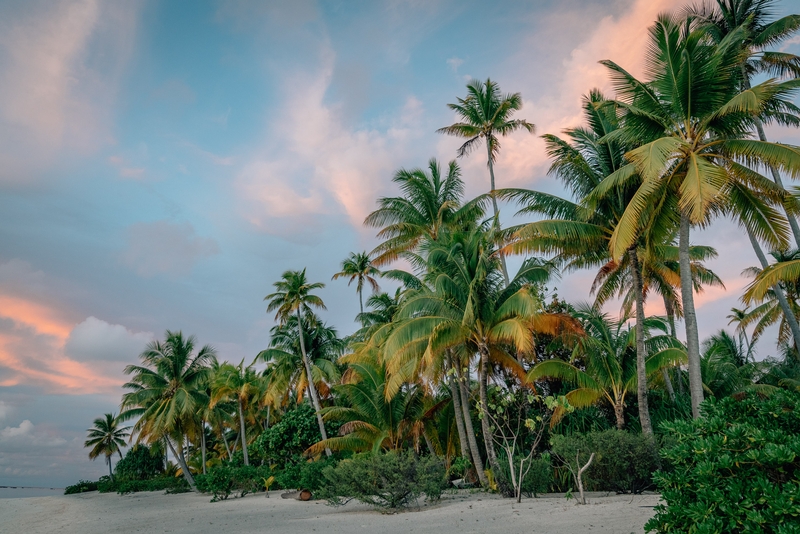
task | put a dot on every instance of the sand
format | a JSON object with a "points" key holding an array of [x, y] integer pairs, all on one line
{"points": [[462, 513]]}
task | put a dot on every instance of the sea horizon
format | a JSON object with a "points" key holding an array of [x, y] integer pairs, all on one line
{"points": [[17, 492]]}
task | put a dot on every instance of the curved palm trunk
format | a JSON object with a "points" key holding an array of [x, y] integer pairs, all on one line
{"points": [[227, 447], [791, 320], [242, 433], [641, 371], [776, 176], [496, 211], [477, 461], [110, 474], [690, 317], [488, 439], [182, 461], [361, 301], [312, 389]]}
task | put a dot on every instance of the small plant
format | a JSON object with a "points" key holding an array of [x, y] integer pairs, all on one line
{"points": [[387, 481]]}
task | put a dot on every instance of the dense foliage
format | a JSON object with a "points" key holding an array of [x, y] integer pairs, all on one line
{"points": [[391, 480], [734, 470], [624, 461], [81, 487], [140, 463]]}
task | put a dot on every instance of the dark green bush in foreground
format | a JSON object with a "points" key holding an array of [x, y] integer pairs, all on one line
{"points": [[81, 487], [140, 463], [624, 462], [385, 480], [539, 477], [734, 470]]}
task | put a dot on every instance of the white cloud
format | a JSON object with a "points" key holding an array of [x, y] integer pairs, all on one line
{"points": [[454, 63], [5, 409], [95, 339], [165, 247]]}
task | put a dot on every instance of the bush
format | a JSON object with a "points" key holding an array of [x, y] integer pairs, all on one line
{"points": [[386, 480], [223, 480], [624, 462], [140, 463], [81, 487], [304, 475], [539, 477], [735, 470], [288, 439]]}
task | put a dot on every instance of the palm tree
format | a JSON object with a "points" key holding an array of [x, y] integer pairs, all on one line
{"points": [[689, 120], [167, 391], [608, 354], [469, 311], [485, 115], [242, 385], [293, 296], [371, 422], [358, 268], [106, 438], [430, 204], [285, 370]]}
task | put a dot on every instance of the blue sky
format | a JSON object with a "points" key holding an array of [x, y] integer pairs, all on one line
{"points": [[162, 163]]}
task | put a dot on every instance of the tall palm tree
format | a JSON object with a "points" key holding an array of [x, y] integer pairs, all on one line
{"points": [[242, 385], [608, 354], [689, 120], [293, 297], [167, 391], [580, 234], [485, 114], [106, 437], [358, 268]]}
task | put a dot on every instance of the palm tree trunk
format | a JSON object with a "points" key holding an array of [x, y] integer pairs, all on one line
{"points": [[203, 443], [690, 318], [641, 371], [469, 429], [182, 461], [776, 176], [429, 444], [312, 389], [459, 415], [227, 447], [488, 438], [361, 301], [619, 413], [269, 408], [496, 211], [242, 433], [110, 474], [670, 310], [791, 320]]}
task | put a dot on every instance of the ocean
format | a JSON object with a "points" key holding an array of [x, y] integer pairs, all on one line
{"points": [[10, 492]]}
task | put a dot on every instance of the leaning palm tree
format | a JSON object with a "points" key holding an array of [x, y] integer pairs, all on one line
{"points": [[243, 386], [168, 391], [106, 438], [690, 120], [486, 115], [358, 268], [293, 297]]}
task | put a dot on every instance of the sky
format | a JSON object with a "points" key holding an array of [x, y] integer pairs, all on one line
{"points": [[162, 163]]}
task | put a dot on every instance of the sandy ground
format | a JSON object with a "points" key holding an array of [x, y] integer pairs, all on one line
{"points": [[460, 513]]}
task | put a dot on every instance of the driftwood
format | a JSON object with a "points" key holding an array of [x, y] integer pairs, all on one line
{"points": [[302, 495]]}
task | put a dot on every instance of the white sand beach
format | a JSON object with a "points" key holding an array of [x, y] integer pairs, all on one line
{"points": [[461, 513]]}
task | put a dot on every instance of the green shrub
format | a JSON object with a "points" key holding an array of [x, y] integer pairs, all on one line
{"points": [[734, 470], [304, 475], [385, 480], [222, 481], [539, 477], [140, 463], [288, 439], [164, 483], [624, 462], [81, 487]]}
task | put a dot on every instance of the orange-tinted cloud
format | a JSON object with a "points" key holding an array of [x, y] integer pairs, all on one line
{"points": [[39, 318]]}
